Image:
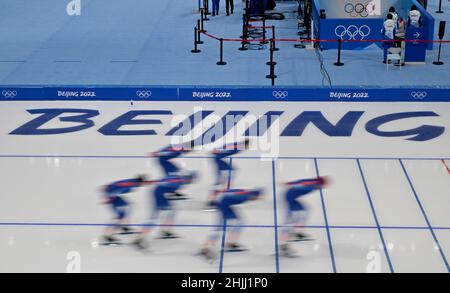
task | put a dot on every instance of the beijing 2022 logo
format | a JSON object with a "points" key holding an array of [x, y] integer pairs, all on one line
{"points": [[9, 94], [280, 94], [143, 94]]}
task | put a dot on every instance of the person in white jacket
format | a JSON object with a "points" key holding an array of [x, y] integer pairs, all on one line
{"points": [[389, 30], [414, 17]]}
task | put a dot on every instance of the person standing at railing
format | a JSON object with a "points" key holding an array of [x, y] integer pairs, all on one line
{"points": [[215, 7], [389, 30], [230, 6], [399, 34], [395, 17]]}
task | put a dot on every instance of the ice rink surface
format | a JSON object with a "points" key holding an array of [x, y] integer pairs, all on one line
{"points": [[386, 209]]}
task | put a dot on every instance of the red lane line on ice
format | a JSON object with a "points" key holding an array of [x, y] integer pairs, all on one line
{"points": [[446, 166]]}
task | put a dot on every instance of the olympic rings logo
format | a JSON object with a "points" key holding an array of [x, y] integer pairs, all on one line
{"points": [[419, 95], [143, 94], [280, 94], [9, 93], [358, 9], [352, 32]]}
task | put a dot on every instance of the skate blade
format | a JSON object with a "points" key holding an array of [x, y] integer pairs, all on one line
{"points": [[210, 260], [111, 243], [169, 237], [302, 240], [127, 233], [235, 249], [140, 247], [178, 198], [209, 210]]}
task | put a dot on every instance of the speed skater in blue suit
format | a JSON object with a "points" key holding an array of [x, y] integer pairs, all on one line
{"points": [[224, 169], [162, 207], [165, 159], [226, 202], [296, 211], [114, 196]]}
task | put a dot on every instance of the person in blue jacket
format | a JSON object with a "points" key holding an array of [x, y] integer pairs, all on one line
{"points": [[215, 7]]}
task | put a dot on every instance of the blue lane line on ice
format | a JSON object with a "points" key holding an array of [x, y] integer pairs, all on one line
{"points": [[229, 174], [275, 216], [208, 157], [327, 227], [222, 245], [380, 231], [416, 195], [224, 228], [43, 224]]}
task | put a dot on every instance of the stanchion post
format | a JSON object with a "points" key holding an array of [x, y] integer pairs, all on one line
{"points": [[244, 33], [439, 62], [440, 7], [205, 16], [272, 75], [221, 62], [195, 50], [206, 7], [274, 38], [264, 41], [339, 63], [199, 32], [202, 14], [272, 47]]}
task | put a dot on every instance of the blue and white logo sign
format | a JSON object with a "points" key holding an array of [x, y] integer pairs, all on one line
{"points": [[352, 32], [9, 94], [143, 94], [280, 94], [419, 95]]}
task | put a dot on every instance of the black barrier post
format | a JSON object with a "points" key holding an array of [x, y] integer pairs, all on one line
{"points": [[273, 38], [339, 63], [271, 62], [221, 62], [199, 32], [264, 41], [244, 33], [272, 75], [202, 17], [205, 17], [206, 6], [203, 20], [439, 62], [440, 7], [195, 50]]}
